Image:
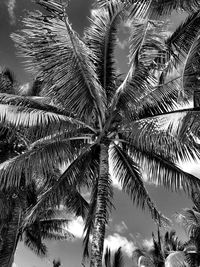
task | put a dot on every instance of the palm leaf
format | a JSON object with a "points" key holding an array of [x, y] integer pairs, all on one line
{"points": [[33, 242], [183, 37], [70, 79], [10, 235], [191, 73], [34, 160], [161, 170], [156, 9], [118, 258], [79, 173], [101, 37], [129, 175]]}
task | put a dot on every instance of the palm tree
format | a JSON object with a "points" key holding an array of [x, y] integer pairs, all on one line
{"points": [[117, 258], [50, 224], [166, 250], [14, 203], [93, 119], [56, 263], [190, 220]]}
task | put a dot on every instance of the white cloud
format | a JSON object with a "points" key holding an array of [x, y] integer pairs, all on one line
{"points": [[115, 241], [24, 88], [122, 44], [148, 243], [11, 7], [121, 227], [14, 265], [76, 227]]}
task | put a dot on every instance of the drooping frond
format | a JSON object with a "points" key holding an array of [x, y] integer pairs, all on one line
{"points": [[162, 171], [159, 8], [7, 81], [63, 60], [148, 137], [10, 234], [145, 46], [191, 72], [55, 229], [107, 258], [79, 173], [33, 241], [160, 99], [190, 219], [118, 258], [147, 41], [181, 40], [129, 97], [101, 37], [129, 175], [40, 158]]}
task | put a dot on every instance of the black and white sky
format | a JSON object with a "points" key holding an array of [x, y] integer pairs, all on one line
{"points": [[128, 224]]}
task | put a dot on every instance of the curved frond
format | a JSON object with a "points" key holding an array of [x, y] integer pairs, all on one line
{"points": [[33, 241], [145, 47], [129, 175], [158, 9], [39, 159], [191, 73], [79, 173], [101, 37], [181, 40], [118, 258], [63, 60], [160, 99], [162, 171]]}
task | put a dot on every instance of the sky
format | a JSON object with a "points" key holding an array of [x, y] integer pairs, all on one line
{"points": [[128, 225]]}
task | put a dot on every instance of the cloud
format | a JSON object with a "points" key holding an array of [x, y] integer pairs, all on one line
{"points": [[121, 227], [76, 227], [115, 241], [11, 7], [122, 44], [14, 265], [148, 243]]}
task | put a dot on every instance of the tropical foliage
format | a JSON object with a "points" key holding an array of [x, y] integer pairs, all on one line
{"points": [[100, 123], [117, 260]]}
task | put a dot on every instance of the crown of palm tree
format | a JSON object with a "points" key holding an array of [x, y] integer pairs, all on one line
{"points": [[89, 118]]}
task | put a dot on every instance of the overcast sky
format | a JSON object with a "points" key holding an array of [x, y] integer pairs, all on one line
{"points": [[128, 224]]}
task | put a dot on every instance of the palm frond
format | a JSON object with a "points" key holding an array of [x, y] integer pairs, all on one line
{"points": [[55, 229], [160, 141], [129, 175], [38, 159], [32, 118], [69, 79], [190, 220], [162, 171], [144, 49], [191, 73], [10, 235], [147, 41], [101, 37], [118, 258], [107, 258], [181, 40], [65, 187], [160, 99], [157, 9], [33, 241]]}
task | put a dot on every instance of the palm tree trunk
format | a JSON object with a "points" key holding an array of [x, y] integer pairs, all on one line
{"points": [[10, 236], [101, 209]]}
